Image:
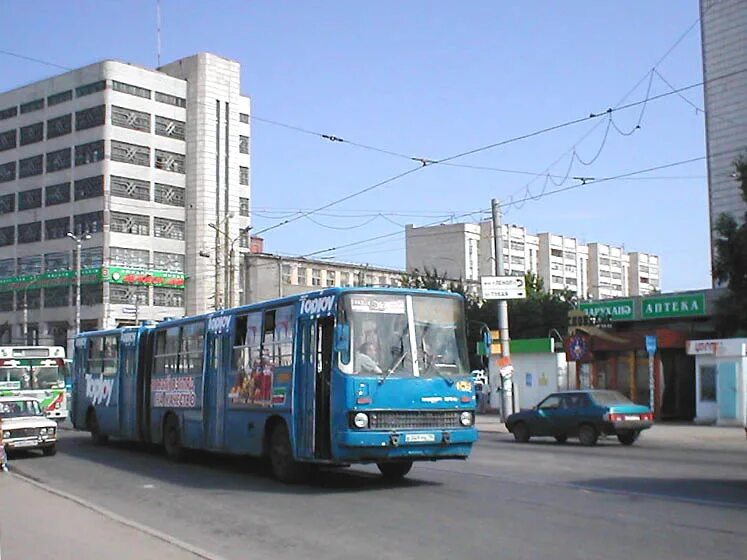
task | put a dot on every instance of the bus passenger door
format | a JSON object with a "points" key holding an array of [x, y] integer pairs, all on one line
{"points": [[214, 399], [323, 361], [305, 384], [128, 391]]}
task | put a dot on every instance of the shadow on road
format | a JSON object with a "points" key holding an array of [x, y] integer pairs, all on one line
{"points": [[214, 471]]}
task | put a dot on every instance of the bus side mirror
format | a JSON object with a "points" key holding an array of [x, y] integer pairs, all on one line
{"points": [[342, 342]]}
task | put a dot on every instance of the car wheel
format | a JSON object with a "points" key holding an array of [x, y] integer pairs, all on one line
{"points": [[284, 467], [172, 439], [587, 435], [50, 451], [521, 432], [92, 423], [562, 438], [628, 438], [395, 470]]}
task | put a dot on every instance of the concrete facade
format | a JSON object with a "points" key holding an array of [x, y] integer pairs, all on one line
{"points": [[139, 159], [723, 25]]}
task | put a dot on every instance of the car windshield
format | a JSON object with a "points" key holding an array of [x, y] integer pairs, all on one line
{"points": [[609, 397], [388, 340], [19, 408]]}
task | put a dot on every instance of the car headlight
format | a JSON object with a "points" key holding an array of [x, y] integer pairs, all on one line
{"points": [[466, 418], [6, 434], [360, 420], [50, 431], [43, 431]]}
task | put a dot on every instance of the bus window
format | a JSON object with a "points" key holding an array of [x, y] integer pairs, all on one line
{"points": [[246, 361], [284, 328]]}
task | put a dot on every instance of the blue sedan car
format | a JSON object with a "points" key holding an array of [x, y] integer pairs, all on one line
{"points": [[582, 414]]}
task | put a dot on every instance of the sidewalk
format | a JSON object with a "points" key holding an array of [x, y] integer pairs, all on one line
{"points": [[35, 523]]}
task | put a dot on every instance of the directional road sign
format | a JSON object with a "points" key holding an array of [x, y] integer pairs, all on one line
{"points": [[503, 287]]}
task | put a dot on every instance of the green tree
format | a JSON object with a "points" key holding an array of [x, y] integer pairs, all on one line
{"points": [[730, 264]]}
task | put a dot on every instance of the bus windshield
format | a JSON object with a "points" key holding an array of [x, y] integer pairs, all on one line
{"points": [[404, 336], [32, 377]]}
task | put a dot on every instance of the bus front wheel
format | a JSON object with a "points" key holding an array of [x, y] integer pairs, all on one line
{"points": [[395, 470], [284, 467]]}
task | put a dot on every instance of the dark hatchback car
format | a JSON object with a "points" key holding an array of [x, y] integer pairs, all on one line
{"points": [[582, 414]]}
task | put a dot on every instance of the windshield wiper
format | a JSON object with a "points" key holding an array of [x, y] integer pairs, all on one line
{"points": [[432, 365], [393, 368]]}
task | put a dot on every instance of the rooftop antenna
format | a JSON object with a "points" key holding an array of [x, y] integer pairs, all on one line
{"points": [[158, 32]]}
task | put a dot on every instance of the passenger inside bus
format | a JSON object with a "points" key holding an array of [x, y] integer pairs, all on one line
{"points": [[366, 360]]}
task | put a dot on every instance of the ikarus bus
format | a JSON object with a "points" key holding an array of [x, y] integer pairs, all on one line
{"points": [[335, 377], [38, 372]]}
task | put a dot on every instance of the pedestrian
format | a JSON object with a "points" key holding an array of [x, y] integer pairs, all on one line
{"points": [[3, 455]]}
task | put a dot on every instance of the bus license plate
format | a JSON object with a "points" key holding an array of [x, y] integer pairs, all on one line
{"points": [[420, 438]]}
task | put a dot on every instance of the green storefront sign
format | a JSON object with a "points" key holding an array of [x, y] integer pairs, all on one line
{"points": [[681, 305], [614, 310], [118, 275], [112, 274]]}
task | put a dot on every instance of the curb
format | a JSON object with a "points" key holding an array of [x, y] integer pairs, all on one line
{"points": [[173, 541]]}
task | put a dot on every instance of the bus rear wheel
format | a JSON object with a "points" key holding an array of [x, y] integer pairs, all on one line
{"points": [[172, 439], [284, 467], [395, 470], [92, 422]]}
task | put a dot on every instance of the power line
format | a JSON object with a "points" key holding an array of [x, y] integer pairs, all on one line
{"points": [[32, 59]]}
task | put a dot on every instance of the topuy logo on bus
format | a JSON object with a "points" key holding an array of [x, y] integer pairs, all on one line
{"points": [[216, 324], [317, 305], [99, 390]]}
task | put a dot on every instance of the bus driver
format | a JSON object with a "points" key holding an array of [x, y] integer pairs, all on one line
{"points": [[366, 360]]}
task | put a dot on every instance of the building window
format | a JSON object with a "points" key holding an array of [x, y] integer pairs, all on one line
{"points": [[58, 98], [556, 252], [316, 277], [31, 166], [6, 304], [32, 133], [29, 199], [135, 224], [91, 294], [708, 383], [130, 153], [243, 175], [8, 203], [125, 187], [92, 257], [90, 222], [168, 229], [57, 261], [168, 297], [30, 299], [121, 256], [170, 128], [8, 113], [331, 277], [129, 118], [8, 172], [7, 236], [90, 187], [29, 265], [128, 294], [171, 262], [29, 233], [171, 99], [88, 89], [132, 90], [169, 161], [59, 126], [244, 207], [90, 118], [34, 105], [7, 268], [8, 140], [57, 194], [244, 144], [243, 117], [301, 276], [345, 279], [286, 274], [245, 240], [169, 194], [58, 296], [90, 152], [59, 159]]}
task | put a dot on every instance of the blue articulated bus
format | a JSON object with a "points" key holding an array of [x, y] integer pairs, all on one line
{"points": [[335, 377]]}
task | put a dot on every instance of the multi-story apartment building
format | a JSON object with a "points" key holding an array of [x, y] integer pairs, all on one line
{"points": [[723, 25], [593, 270], [268, 276], [151, 167]]}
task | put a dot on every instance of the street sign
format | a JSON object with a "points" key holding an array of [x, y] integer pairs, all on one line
{"points": [[503, 287], [129, 309], [651, 343]]}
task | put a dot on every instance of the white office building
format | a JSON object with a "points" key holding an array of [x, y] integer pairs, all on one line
{"points": [[593, 270], [139, 162]]}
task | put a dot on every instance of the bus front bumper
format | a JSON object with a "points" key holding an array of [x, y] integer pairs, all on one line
{"points": [[406, 444]]}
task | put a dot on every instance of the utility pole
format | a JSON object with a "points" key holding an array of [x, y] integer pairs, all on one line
{"points": [[506, 384], [78, 244]]}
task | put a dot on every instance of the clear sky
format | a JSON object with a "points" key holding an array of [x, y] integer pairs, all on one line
{"points": [[431, 79]]}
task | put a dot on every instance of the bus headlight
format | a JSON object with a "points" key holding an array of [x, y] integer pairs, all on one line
{"points": [[360, 420], [466, 418]]}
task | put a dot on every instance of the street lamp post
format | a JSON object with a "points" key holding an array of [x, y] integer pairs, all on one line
{"points": [[231, 260], [26, 310], [78, 244]]}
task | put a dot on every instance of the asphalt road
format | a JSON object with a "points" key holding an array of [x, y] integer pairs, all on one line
{"points": [[670, 496]]}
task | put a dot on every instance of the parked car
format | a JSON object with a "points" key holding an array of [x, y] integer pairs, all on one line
{"points": [[582, 414], [25, 426]]}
